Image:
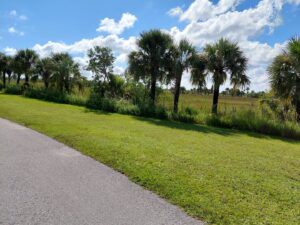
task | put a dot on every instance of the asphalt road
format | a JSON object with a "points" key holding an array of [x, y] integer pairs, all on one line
{"points": [[45, 182]]}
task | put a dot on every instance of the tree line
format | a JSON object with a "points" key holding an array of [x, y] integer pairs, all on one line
{"points": [[158, 59]]}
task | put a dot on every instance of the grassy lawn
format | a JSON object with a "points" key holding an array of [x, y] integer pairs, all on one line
{"points": [[218, 175]]}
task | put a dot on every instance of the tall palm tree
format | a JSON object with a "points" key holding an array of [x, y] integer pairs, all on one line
{"points": [[27, 59], [149, 61], [224, 59], [182, 58], [66, 71], [284, 73], [3, 67]]}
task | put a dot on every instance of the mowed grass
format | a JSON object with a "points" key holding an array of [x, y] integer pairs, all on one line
{"points": [[203, 103], [220, 176]]}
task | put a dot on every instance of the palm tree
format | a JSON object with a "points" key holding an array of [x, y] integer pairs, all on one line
{"points": [[149, 61], [182, 58], [27, 59], [16, 67], [45, 68], [284, 74], [3, 67], [221, 59], [66, 71]]}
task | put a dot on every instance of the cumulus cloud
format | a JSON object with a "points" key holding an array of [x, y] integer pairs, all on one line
{"points": [[112, 27], [10, 51], [208, 22], [121, 47]]}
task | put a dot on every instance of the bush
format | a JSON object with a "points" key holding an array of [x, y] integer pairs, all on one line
{"points": [[253, 121], [13, 90], [51, 95]]}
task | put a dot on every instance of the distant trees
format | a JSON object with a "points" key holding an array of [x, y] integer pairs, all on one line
{"points": [[149, 62], [284, 74]]}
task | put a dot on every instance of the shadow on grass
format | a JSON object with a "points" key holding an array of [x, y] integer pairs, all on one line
{"points": [[197, 127]]}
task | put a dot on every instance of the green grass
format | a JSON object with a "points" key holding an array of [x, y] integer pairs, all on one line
{"points": [[218, 175]]}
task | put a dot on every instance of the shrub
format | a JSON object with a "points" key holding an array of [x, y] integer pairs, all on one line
{"points": [[13, 90], [51, 95]]}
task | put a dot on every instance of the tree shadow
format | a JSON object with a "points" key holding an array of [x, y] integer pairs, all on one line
{"points": [[187, 126], [198, 127]]}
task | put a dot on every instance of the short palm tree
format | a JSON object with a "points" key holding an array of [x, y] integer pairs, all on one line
{"points": [[182, 58], [221, 60], [45, 69], [284, 74], [27, 59], [149, 61], [66, 71]]}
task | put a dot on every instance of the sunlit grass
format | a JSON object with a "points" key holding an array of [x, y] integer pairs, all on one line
{"points": [[218, 175]]}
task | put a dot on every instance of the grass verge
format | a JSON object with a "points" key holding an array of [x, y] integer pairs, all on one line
{"points": [[218, 175]]}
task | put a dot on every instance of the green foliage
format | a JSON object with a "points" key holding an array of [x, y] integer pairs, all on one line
{"points": [[150, 62], [251, 121], [284, 74], [13, 90]]}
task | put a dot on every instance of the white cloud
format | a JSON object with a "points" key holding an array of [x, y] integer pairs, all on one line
{"points": [[121, 47], [177, 11], [13, 13], [23, 17], [10, 51], [112, 27], [208, 22], [13, 30]]}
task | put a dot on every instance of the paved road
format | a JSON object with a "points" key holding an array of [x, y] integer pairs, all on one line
{"points": [[44, 182]]}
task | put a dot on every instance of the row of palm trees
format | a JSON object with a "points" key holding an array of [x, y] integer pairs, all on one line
{"points": [[59, 70], [159, 58]]}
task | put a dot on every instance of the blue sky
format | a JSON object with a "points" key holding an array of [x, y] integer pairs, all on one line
{"points": [[261, 27]]}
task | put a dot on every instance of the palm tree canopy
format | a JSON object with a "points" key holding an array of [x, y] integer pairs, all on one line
{"points": [[27, 59], [284, 76], [150, 59], [180, 58], [226, 57], [199, 71], [3, 62]]}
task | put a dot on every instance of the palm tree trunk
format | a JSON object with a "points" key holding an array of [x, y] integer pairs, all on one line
{"points": [[18, 78], [215, 99], [9, 78], [177, 93], [153, 89], [26, 80], [298, 111], [4, 79]]}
